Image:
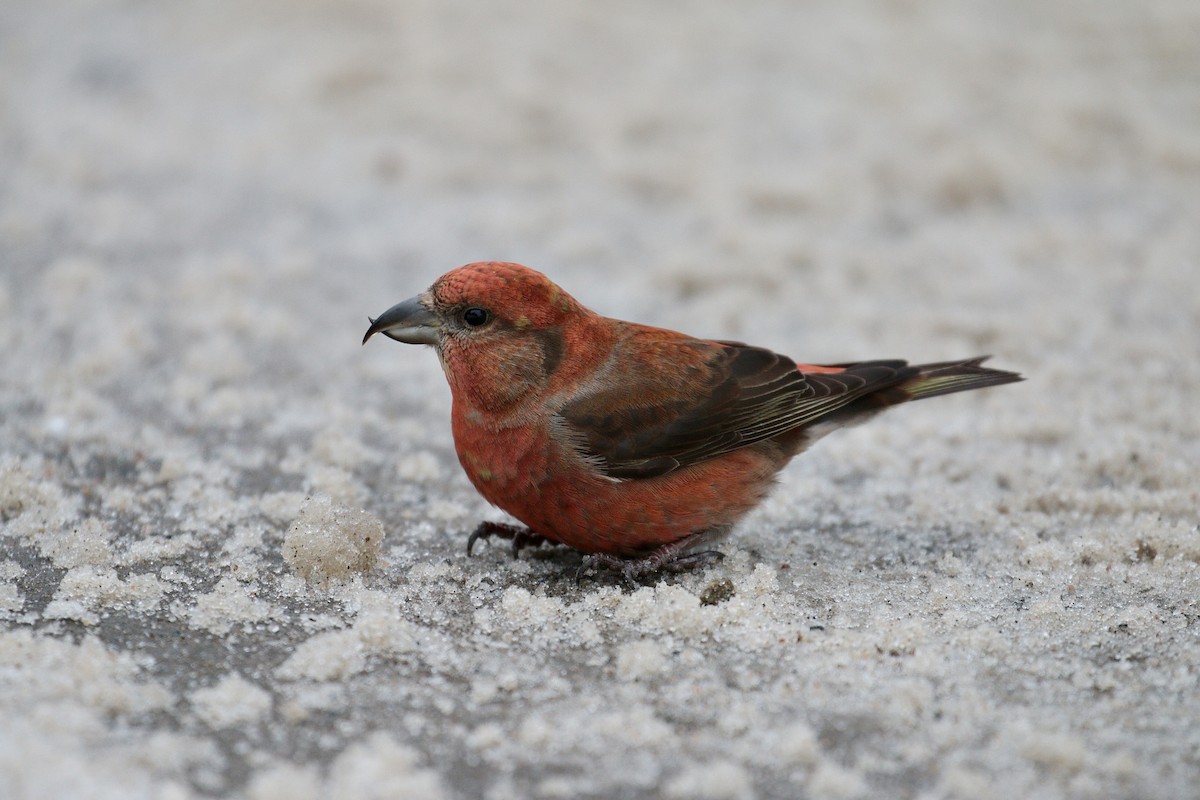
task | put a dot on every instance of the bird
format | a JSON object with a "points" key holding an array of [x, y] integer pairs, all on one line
{"points": [[635, 445]]}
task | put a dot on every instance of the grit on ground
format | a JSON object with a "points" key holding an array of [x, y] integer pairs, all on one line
{"points": [[232, 541]]}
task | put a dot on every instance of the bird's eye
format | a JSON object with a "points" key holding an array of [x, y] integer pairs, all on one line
{"points": [[474, 317]]}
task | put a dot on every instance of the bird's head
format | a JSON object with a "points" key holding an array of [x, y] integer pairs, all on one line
{"points": [[500, 329]]}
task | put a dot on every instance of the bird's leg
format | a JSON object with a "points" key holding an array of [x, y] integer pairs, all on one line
{"points": [[520, 536], [671, 557]]}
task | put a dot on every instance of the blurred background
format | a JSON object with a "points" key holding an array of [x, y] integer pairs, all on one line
{"points": [[727, 157], [201, 203]]}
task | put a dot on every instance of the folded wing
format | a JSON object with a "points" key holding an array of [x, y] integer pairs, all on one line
{"points": [[713, 398]]}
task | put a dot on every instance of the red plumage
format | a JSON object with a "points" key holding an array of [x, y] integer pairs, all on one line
{"points": [[625, 441]]}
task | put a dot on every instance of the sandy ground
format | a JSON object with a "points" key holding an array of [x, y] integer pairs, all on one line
{"points": [[232, 558]]}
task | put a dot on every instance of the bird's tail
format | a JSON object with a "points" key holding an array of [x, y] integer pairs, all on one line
{"points": [[953, 376], [922, 380]]}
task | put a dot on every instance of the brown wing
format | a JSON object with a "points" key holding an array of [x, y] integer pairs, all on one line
{"points": [[715, 397]]}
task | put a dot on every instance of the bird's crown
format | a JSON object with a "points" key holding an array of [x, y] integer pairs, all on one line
{"points": [[524, 296]]}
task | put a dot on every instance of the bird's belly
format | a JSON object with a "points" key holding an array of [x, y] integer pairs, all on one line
{"points": [[562, 497]]}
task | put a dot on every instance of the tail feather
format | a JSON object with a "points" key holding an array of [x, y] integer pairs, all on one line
{"points": [[918, 381], [946, 377]]}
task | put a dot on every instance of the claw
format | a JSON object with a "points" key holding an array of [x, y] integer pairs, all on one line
{"points": [[521, 537], [672, 557]]}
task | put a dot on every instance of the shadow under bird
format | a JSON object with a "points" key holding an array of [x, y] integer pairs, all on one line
{"points": [[632, 444]]}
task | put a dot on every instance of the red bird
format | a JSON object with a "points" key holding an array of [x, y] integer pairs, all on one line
{"points": [[629, 443]]}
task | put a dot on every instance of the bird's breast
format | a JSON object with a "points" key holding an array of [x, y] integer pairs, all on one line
{"points": [[501, 461]]}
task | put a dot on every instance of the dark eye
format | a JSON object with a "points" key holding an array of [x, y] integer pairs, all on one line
{"points": [[474, 317]]}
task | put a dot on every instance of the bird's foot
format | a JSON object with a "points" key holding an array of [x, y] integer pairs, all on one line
{"points": [[520, 536], [672, 557]]}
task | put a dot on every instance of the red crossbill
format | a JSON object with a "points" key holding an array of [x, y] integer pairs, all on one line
{"points": [[630, 443]]}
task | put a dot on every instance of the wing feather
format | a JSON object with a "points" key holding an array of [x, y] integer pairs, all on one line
{"points": [[716, 397]]}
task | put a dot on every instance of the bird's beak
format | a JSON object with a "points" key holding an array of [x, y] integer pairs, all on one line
{"points": [[409, 322]]}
